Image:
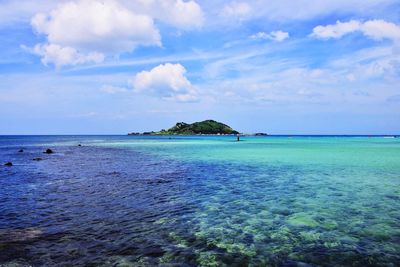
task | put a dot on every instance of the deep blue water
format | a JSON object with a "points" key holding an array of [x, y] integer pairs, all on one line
{"points": [[199, 201]]}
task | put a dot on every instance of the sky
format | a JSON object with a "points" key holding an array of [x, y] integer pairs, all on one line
{"points": [[275, 66]]}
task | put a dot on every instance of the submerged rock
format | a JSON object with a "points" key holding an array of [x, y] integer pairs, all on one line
{"points": [[21, 150], [380, 231], [282, 211], [49, 151], [37, 159], [19, 235], [9, 164], [311, 236], [329, 225], [291, 263], [16, 263], [302, 219], [79, 145]]}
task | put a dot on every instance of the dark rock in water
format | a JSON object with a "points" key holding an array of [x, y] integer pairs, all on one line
{"points": [[79, 145], [159, 181], [37, 159], [9, 164], [248, 238], [49, 151], [154, 252], [282, 211], [21, 150], [394, 197]]}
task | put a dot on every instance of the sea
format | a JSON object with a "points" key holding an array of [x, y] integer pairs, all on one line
{"points": [[200, 201]]}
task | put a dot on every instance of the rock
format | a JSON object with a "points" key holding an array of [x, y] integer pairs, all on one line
{"points": [[37, 159], [379, 231], [302, 219], [21, 150], [21, 235], [16, 263], [79, 145], [291, 263], [9, 164], [281, 211], [49, 151]]}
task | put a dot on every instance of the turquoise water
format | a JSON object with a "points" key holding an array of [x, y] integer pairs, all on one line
{"points": [[208, 201]]}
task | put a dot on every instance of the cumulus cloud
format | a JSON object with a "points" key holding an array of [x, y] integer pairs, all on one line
{"points": [[167, 81], [236, 9], [374, 29], [84, 24], [85, 31], [59, 56], [278, 36], [336, 30], [380, 29], [82, 30], [181, 14]]}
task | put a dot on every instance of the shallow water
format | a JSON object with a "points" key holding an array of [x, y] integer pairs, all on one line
{"points": [[208, 201]]}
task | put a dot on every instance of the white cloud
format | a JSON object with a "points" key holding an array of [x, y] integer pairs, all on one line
{"points": [[92, 28], [166, 81], [380, 29], [183, 15], [379, 68], [260, 35], [236, 9], [278, 36], [59, 56], [380, 63], [363, 73], [336, 30], [110, 27], [178, 13], [374, 29], [293, 10]]}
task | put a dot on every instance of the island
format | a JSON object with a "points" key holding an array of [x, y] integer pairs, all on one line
{"points": [[261, 134], [207, 127]]}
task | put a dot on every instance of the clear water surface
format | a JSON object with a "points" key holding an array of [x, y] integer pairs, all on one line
{"points": [[200, 201]]}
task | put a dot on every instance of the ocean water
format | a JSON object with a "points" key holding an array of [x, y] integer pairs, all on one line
{"points": [[200, 201]]}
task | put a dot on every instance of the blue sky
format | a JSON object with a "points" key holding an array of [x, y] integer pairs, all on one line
{"points": [[282, 67]]}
